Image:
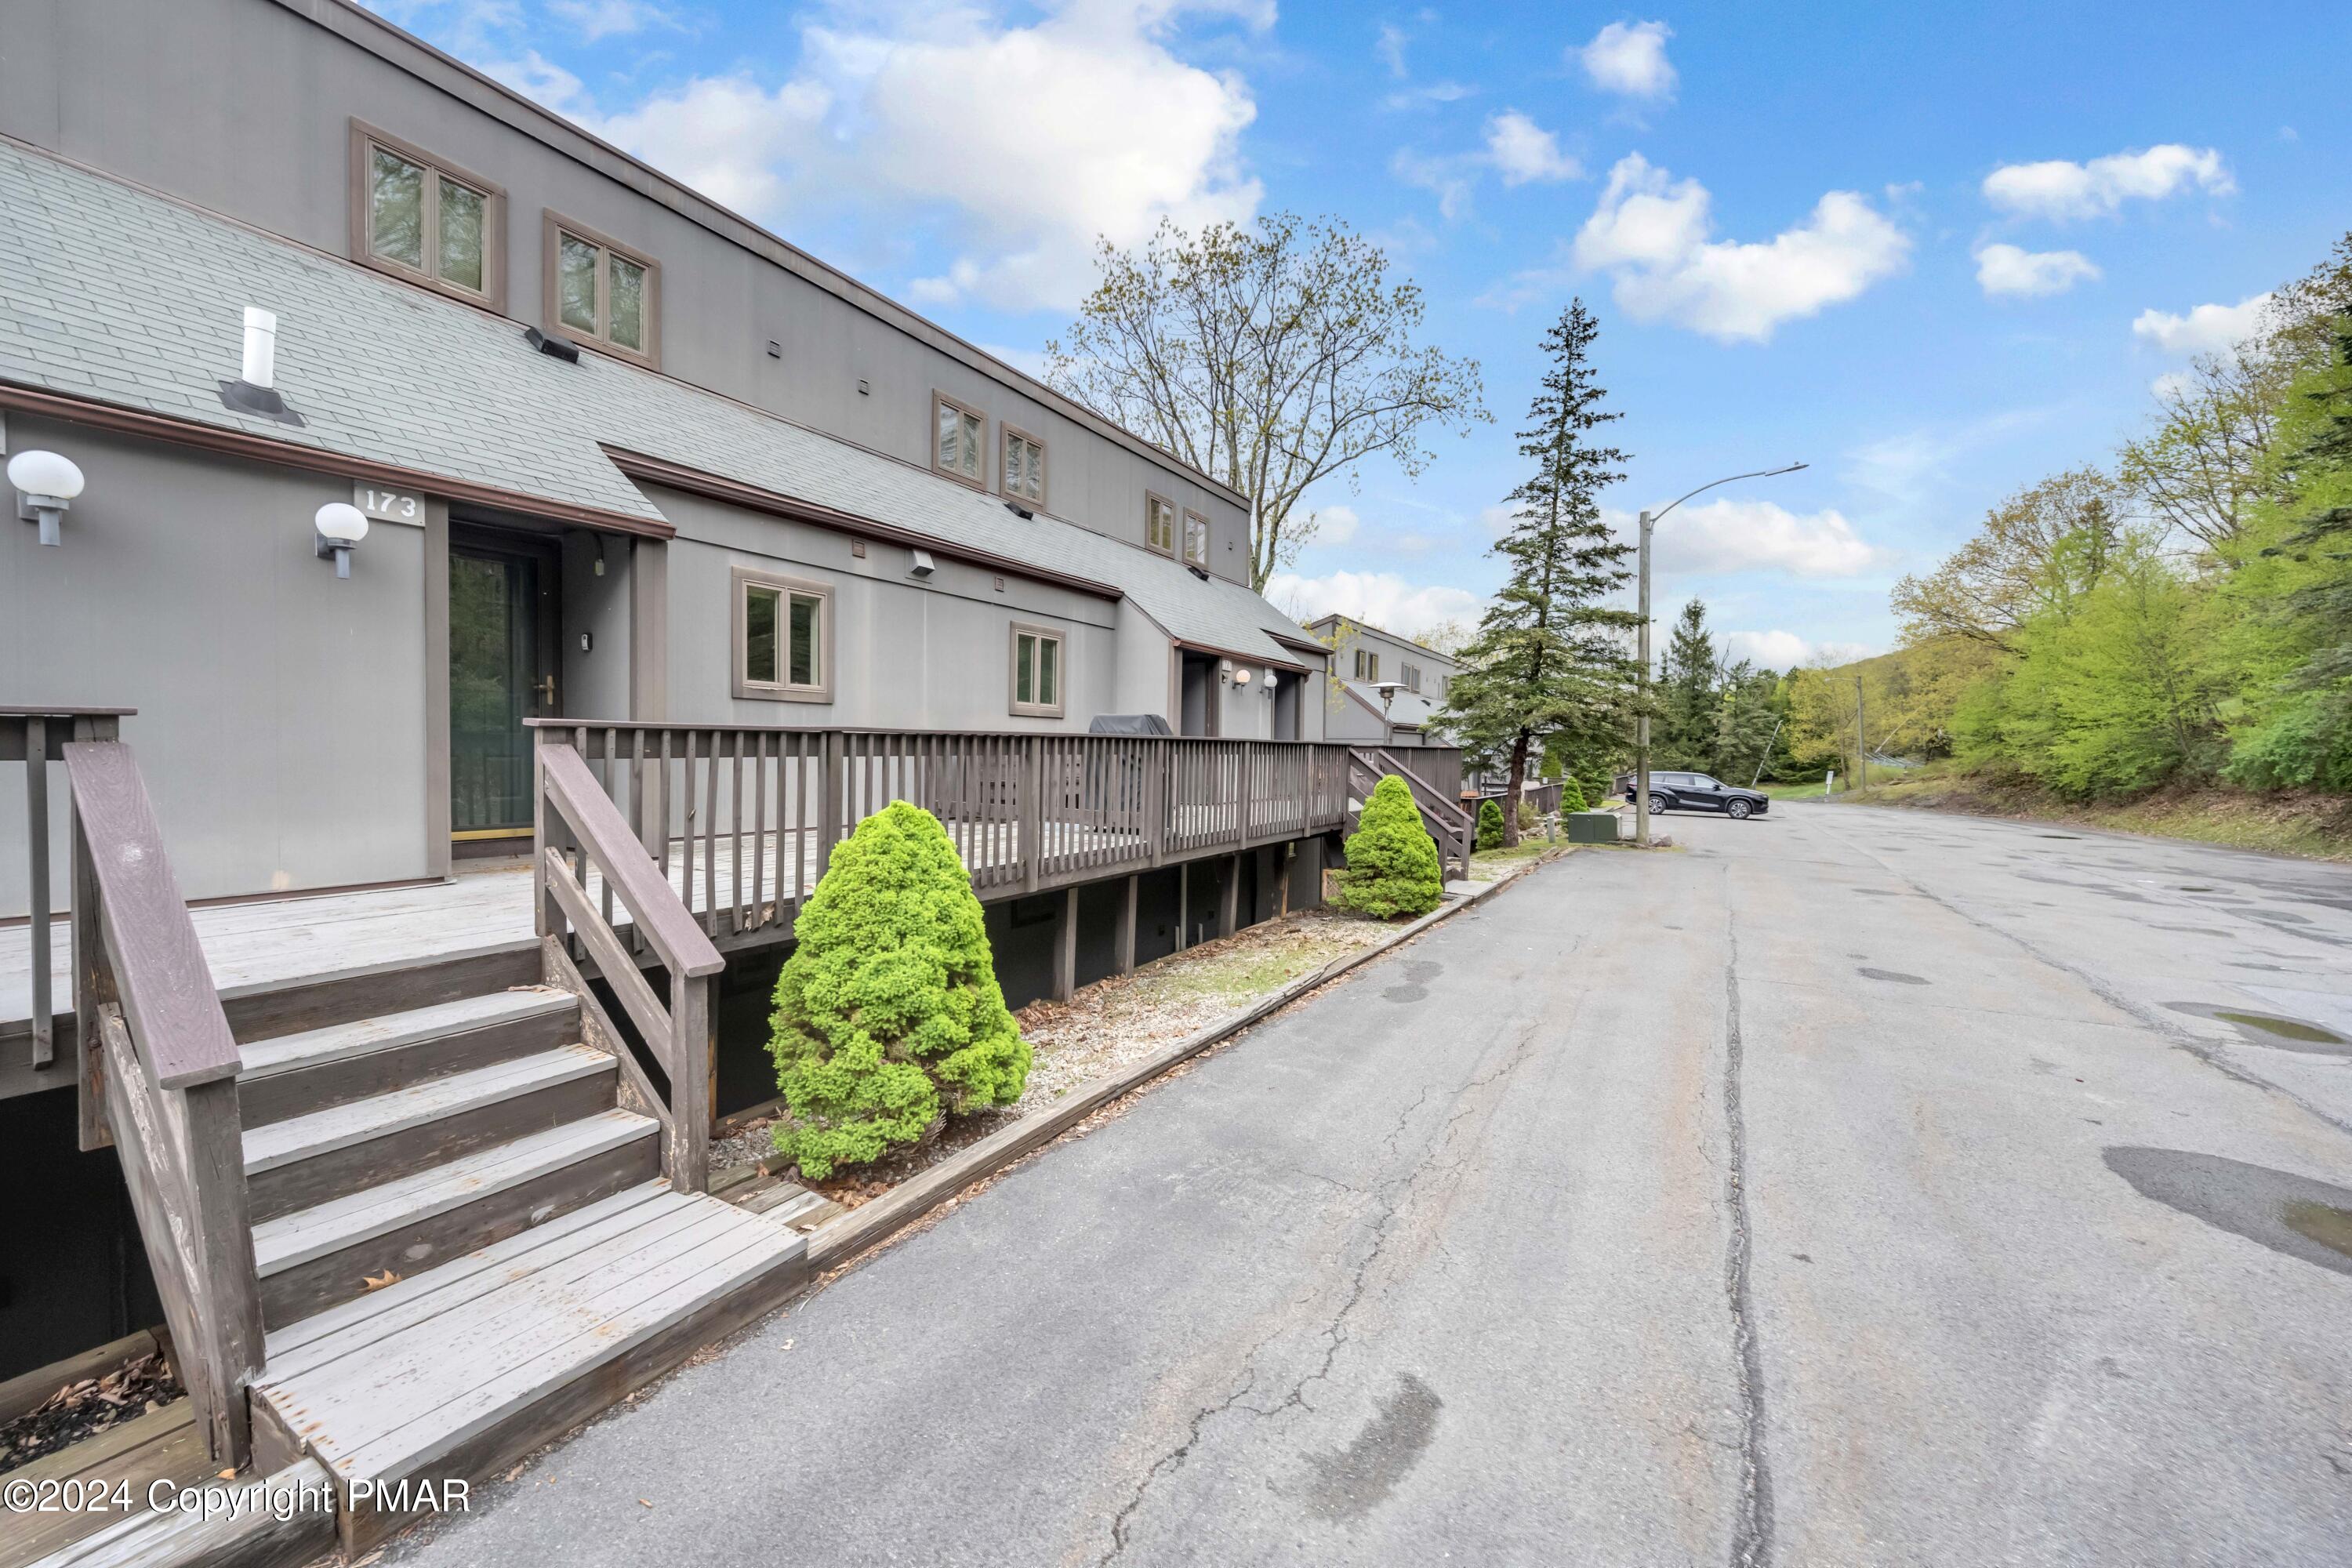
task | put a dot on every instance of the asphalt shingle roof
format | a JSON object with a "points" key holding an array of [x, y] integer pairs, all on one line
{"points": [[109, 293]]}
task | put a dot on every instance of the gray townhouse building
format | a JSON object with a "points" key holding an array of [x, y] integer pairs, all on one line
{"points": [[1384, 688]]}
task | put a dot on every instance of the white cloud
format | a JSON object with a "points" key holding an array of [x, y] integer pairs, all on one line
{"points": [[2009, 269], [1723, 536], [1382, 598], [1630, 59], [1022, 141], [2208, 328], [604, 18], [1786, 650], [2057, 188], [1427, 94], [1523, 150], [2171, 384], [1389, 47], [1448, 178], [1650, 233], [1336, 524]]}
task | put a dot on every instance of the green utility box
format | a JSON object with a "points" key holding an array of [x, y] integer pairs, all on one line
{"points": [[1592, 827]]}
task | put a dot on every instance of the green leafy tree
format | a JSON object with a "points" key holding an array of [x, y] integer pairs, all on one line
{"points": [[1490, 825], [1271, 357], [1392, 863], [1546, 661], [887, 1013]]}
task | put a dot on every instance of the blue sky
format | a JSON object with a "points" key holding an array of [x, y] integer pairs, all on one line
{"points": [[1935, 253]]}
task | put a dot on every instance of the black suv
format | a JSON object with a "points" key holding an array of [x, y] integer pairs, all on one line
{"points": [[1697, 792]]}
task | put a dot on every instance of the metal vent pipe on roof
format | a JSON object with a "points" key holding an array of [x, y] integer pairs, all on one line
{"points": [[260, 347]]}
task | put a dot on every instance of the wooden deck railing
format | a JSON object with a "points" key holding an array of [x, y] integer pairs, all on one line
{"points": [[37, 737], [159, 1081], [585, 843], [1454, 829], [739, 821]]}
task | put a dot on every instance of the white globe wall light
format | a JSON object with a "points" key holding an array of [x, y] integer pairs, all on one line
{"points": [[341, 527], [46, 485]]}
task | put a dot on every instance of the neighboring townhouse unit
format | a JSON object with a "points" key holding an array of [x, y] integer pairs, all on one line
{"points": [[1384, 687]]}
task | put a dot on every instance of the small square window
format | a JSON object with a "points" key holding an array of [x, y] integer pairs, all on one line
{"points": [[419, 218], [1037, 672], [784, 638], [601, 294], [956, 436], [1159, 523], [1022, 471], [1196, 539]]}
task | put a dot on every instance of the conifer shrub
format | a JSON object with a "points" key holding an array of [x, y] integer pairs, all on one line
{"points": [[887, 1013], [1571, 794], [1531, 819], [1393, 865], [1490, 825]]}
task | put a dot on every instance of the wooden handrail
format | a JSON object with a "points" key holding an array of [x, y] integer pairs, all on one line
{"points": [[661, 918], [159, 1075]]}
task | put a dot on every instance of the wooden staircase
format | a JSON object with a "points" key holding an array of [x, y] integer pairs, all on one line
{"points": [[410, 1227]]}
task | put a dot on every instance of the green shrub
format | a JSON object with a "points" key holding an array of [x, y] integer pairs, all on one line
{"points": [[1490, 825], [888, 1011], [1571, 794], [1393, 865], [1531, 819]]}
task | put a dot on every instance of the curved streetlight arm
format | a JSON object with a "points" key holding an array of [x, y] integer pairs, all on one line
{"points": [[1726, 479]]}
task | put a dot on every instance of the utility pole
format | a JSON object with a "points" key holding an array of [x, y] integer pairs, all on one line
{"points": [[1642, 721], [1860, 743], [1768, 752]]}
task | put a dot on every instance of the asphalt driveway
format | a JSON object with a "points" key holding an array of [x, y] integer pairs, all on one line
{"points": [[1850, 1187]]}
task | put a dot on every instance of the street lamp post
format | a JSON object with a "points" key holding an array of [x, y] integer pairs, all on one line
{"points": [[1641, 721]]}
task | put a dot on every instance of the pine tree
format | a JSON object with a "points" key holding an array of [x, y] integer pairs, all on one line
{"points": [[1686, 695], [1545, 660]]}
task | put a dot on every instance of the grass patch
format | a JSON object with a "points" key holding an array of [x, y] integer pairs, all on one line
{"points": [[1490, 865]]}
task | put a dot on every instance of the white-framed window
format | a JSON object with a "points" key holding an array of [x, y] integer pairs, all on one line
{"points": [[1368, 664], [1022, 470], [601, 292], [957, 441], [424, 219], [784, 638], [1039, 669], [1159, 523], [1196, 539], [1411, 674]]}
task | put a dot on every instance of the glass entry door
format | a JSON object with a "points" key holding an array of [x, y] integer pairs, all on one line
{"points": [[502, 669]]}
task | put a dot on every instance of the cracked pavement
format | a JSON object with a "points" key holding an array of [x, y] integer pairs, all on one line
{"points": [[1851, 1186]]}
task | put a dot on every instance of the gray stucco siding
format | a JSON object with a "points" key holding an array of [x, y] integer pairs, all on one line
{"points": [[281, 722]]}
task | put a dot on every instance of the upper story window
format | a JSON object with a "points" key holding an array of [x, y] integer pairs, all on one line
{"points": [[1036, 672], [602, 293], [1022, 471], [424, 219], [784, 638], [1196, 539], [957, 434], [1368, 664], [1159, 523], [1411, 674]]}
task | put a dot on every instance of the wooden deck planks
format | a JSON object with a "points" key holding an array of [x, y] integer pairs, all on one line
{"points": [[419, 1105], [390, 1031]]}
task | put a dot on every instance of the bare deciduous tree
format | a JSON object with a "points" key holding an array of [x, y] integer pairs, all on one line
{"points": [[1267, 357]]}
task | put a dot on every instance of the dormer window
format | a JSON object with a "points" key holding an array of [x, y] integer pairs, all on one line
{"points": [[956, 437], [419, 218], [600, 294]]}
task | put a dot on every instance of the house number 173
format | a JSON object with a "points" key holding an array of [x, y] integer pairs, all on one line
{"points": [[389, 506]]}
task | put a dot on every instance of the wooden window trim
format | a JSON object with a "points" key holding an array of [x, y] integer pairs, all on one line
{"points": [[1061, 704], [1006, 435], [552, 223], [1175, 524], [740, 580], [932, 439], [1184, 538], [494, 219]]}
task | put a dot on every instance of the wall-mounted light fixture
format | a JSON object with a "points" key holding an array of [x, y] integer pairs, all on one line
{"points": [[46, 486], [1268, 687], [341, 527], [1242, 676]]}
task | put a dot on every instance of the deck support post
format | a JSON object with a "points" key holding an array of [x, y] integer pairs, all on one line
{"points": [[1183, 906], [37, 876], [1229, 899], [1065, 945], [1124, 940]]}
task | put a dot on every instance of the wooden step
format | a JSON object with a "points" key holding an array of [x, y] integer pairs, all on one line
{"points": [[306, 1161], [456, 1373], [317, 1257], [295, 1074]]}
